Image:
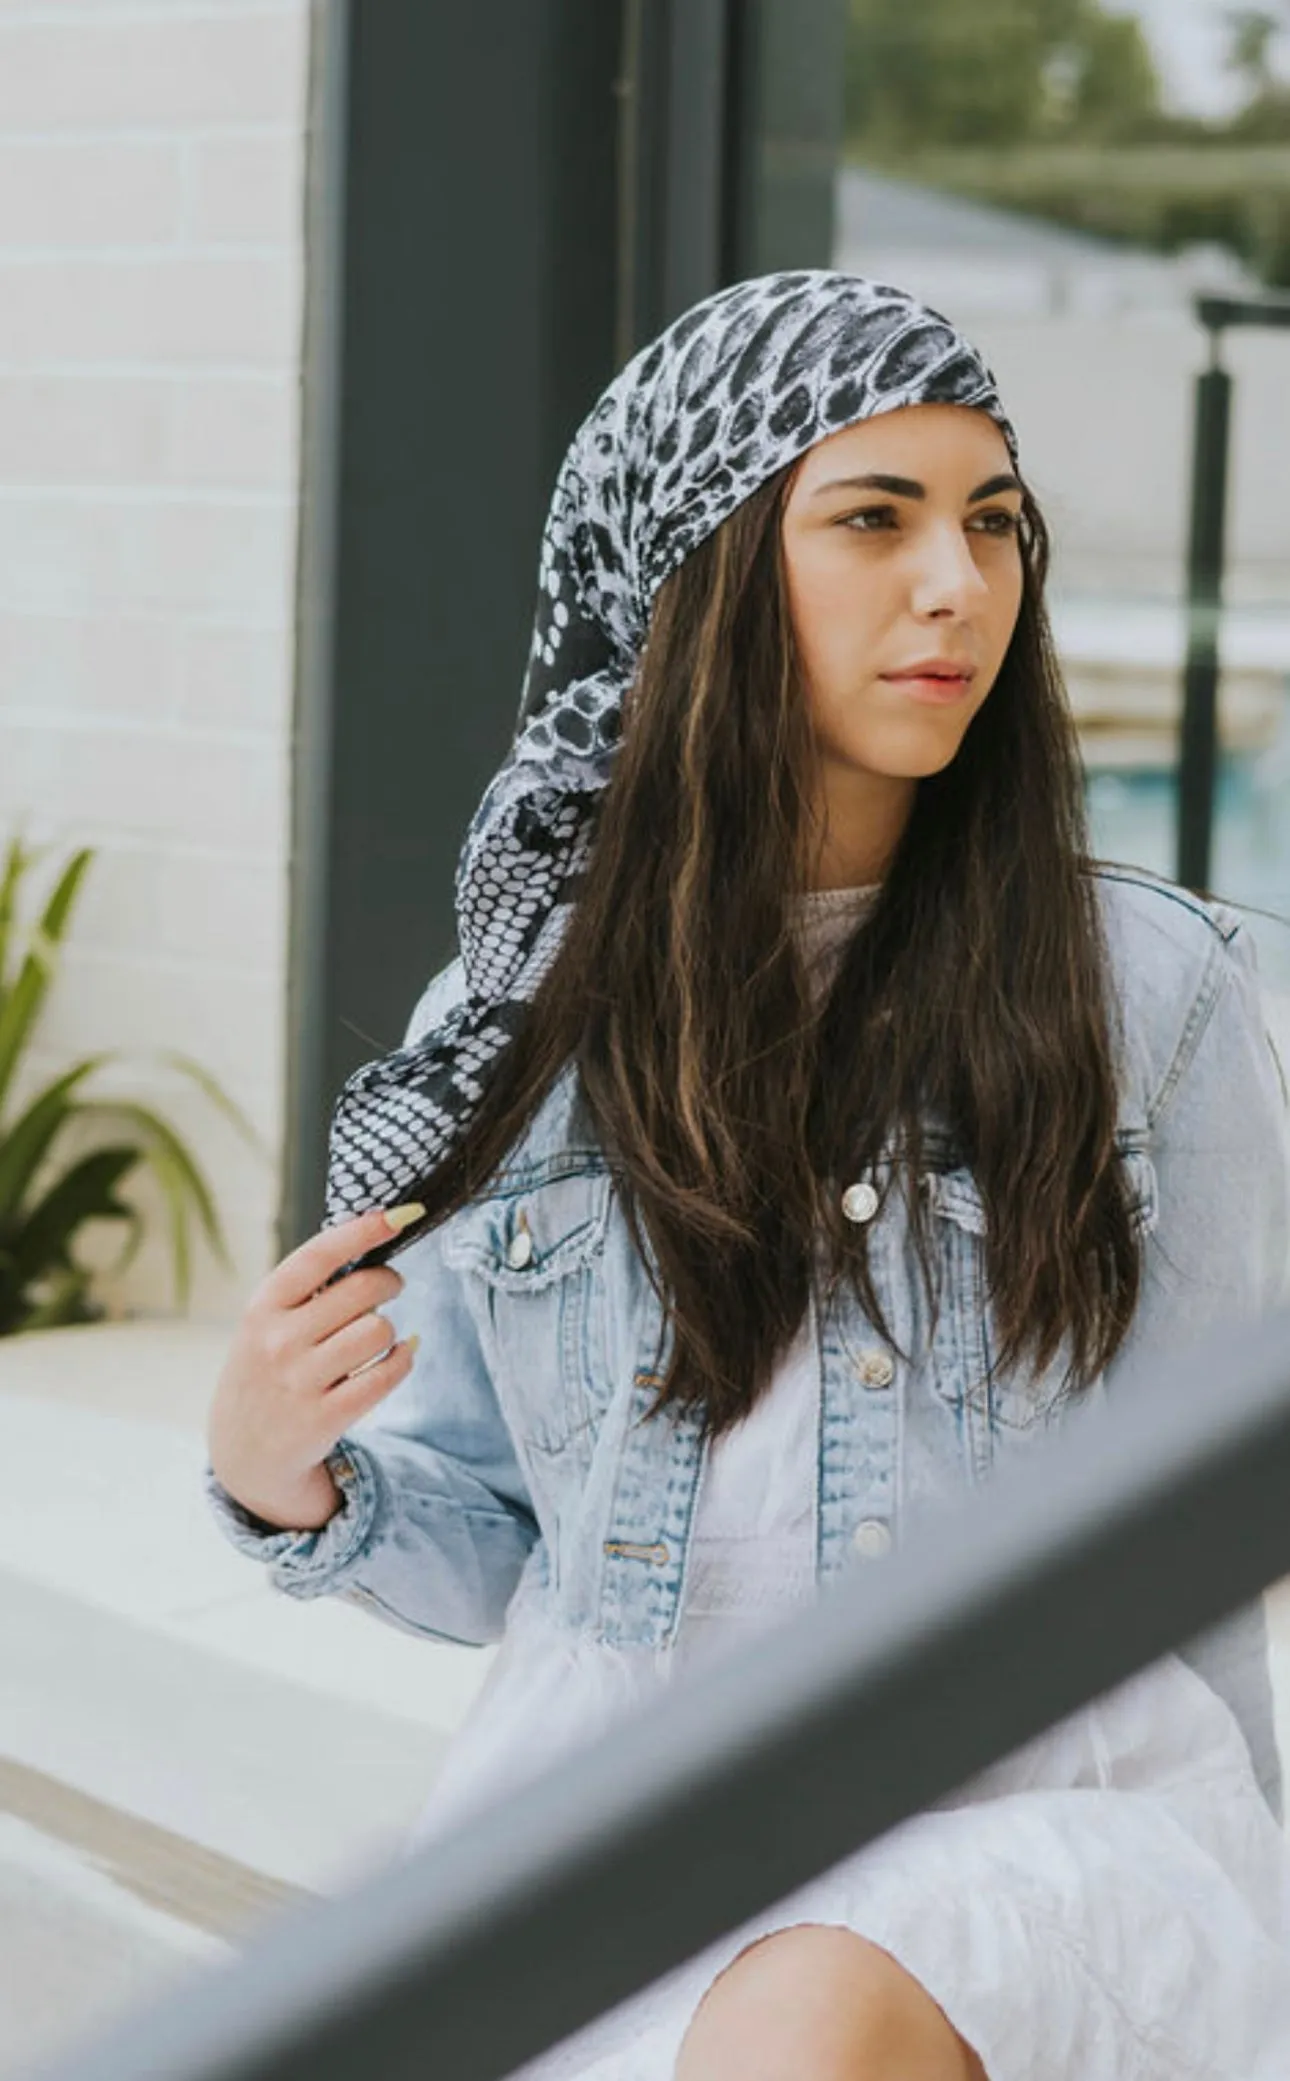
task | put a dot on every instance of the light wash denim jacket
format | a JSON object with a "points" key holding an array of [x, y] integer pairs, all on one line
{"points": [[516, 1450]]}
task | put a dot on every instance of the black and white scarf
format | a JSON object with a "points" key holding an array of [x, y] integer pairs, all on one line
{"points": [[733, 390]]}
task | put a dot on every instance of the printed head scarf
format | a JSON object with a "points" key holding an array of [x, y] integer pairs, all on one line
{"points": [[731, 392]]}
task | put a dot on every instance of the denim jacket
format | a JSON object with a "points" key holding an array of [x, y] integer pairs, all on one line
{"points": [[518, 1452]]}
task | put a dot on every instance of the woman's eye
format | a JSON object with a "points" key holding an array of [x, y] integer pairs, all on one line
{"points": [[999, 522], [870, 518]]}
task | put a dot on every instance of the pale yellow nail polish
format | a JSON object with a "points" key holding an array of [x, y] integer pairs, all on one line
{"points": [[412, 1346], [397, 1218]]}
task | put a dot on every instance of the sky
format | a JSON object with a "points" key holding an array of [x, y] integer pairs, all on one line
{"points": [[1187, 37]]}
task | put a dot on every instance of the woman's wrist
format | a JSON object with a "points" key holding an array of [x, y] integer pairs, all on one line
{"points": [[303, 1506]]}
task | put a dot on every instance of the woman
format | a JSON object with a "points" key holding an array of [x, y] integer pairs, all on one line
{"points": [[807, 1130]]}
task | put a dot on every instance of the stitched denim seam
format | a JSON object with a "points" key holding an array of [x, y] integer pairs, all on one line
{"points": [[1198, 1017], [1196, 906], [319, 1561]]}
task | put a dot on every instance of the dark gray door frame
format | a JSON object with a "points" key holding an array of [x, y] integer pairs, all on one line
{"points": [[503, 204], [461, 245]]}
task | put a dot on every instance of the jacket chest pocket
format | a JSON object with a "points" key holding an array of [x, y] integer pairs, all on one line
{"points": [[964, 1341], [533, 1265]]}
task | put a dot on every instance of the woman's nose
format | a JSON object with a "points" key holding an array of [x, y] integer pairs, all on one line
{"points": [[946, 579]]}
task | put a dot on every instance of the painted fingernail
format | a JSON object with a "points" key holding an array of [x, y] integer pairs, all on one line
{"points": [[412, 1345], [397, 1218]]}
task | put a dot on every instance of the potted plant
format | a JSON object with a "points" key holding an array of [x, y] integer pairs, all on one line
{"points": [[66, 1152]]}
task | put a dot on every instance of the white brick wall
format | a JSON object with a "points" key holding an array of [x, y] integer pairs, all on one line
{"points": [[151, 163]]}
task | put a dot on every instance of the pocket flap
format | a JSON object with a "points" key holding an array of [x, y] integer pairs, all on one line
{"points": [[522, 1241]]}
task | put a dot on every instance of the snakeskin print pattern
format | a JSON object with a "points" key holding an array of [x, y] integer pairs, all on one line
{"points": [[732, 391]]}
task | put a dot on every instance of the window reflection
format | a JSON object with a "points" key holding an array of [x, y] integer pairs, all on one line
{"points": [[1063, 179]]}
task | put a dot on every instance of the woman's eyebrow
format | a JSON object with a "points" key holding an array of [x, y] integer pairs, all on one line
{"points": [[910, 488], [1005, 481], [900, 487]]}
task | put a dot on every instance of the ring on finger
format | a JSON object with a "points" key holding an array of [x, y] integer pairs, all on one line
{"points": [[378, 1360]]}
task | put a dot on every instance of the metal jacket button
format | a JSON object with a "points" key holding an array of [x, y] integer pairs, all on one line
{"points": [[871, 1539], [860, 1202], [876, 1369]]}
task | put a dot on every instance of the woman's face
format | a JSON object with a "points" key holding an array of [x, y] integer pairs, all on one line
{"points": [[904, 575]]}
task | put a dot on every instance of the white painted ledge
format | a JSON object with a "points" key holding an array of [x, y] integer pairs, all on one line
{"points": [[154, 1668]]}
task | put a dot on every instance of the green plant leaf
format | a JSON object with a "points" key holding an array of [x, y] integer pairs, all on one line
{"points": [[23, 1000], [182, 1182], [17, 860], [85, 1192], [159, 1134], [219, 1098], [170, 1178], [24, 1145], [10, 1293], [36, 1241], [66, 1299]]}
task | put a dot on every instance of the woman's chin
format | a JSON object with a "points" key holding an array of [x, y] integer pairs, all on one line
{"points": [[916, 757]]}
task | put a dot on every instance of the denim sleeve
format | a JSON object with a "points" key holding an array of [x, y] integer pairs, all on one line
{"points": [[435, 1524], [1218, 1142], [1218, 1253]]}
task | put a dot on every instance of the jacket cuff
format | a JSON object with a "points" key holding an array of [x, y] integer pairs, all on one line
{"points": [[308, 1564]]}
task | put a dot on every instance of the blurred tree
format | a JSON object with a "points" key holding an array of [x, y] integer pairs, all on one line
{"points": [[1054, 107], [936, 73], [1252, 33], [1117, 88]]}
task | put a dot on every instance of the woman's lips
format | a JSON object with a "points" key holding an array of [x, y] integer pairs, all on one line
{"points": [[940, 689]]}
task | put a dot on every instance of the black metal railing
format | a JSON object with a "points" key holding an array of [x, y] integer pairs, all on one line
{"points": [[1137, 1530], [1206, 550]]}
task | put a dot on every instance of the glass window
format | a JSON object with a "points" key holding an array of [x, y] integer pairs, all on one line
{"points": [[1063, 177]]}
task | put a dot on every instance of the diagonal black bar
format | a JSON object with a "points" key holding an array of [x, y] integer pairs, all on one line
{"points": [[1134, 1533]]}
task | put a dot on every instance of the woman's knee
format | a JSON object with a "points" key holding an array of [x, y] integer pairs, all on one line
{"points": [[821, 2001]]}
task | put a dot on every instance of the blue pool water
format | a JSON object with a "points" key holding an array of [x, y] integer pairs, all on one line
{"points": [[1134, 818]]}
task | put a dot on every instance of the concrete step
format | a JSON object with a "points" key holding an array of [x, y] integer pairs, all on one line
{"points": [[196, 1887], [77, 1946], [99, 1911]]}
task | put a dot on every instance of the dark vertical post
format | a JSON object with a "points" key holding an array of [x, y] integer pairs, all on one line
{"points": [[461, 255], [788, 58], [678, 79], [1198, 750], [307, 1090], [735, 114]]}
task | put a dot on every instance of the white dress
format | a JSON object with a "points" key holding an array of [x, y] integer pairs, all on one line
{"points": [[1109, 1903]]}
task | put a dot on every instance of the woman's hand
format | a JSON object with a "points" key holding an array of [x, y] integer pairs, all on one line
{"points": [[308, 1359]]}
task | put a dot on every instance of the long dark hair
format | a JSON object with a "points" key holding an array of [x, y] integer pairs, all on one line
{"points": [[974, 1000]]}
